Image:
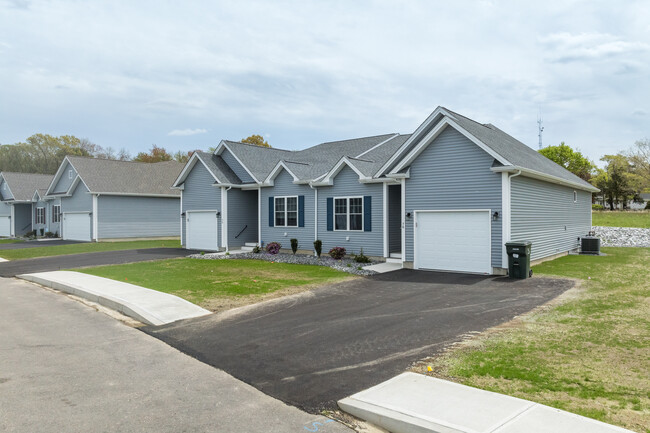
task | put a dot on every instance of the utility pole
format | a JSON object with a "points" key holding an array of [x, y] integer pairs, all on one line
{"points": [[540, 129]]}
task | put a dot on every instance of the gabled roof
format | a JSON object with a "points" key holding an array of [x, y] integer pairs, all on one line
{"points": [[23, 185], [105, 176]]}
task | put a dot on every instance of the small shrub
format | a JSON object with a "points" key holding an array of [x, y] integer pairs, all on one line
{"points": [[337, 253], [31, 234], [227, 253], [202, 253], [358, 268], [349, 265], [318, 247], [647, 205], [294, 245], [273, 248], [257, 249], [597, 206], [50, 235], [56, 234], [361, 258]]}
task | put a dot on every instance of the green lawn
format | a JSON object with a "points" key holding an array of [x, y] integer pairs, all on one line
{"points": [[209, 282], [90, 247], [640, 219], [589, 354], [10, 241]]}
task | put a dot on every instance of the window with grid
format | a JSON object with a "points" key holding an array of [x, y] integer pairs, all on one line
{"points": [[56, 214], [348, 214], [286, 211], [40, 215]]}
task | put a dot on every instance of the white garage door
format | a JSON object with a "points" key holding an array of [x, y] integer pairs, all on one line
{"points": [[202, 231], [76, 226], [5, 226], [453, 241]]}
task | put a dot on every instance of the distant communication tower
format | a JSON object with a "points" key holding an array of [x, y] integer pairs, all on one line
{"points": [[540, 129]]}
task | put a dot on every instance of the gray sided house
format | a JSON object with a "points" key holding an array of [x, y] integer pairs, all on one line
{"points": [[19, 212], [105, 199], [446, 197]]}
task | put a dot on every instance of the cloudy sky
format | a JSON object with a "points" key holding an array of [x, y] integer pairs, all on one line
{"points": [[186, 74]]}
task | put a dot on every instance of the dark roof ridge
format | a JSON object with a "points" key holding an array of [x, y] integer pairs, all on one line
{"points": [[120, 160], [260, 147]]}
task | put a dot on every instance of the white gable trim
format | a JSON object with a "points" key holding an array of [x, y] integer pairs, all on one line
{"points": [[407, 143], [58, 174], [188, 168], [36, 197], [74, 184], [329, 177], [543, 176], [13, 197], [276, 171], [433, 134], [219, 150]]}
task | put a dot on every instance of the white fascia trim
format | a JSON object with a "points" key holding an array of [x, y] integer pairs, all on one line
{"points": [[431, 136], [543, 176], [276, 170], [246, 186], [380, 180], [57, 176], [220, 149], [398, 176], [34, 197], [128, 194], [188, 168], [376, 146], [413, 136], [329, 178]]}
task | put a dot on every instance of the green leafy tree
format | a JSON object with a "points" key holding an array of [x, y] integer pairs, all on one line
{"points": [[257, 140], [639, 157], [572, 160], [156, 154], [617, 182]]}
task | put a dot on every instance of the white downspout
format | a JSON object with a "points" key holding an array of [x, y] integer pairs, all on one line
{"points": [[506, 210], [224, 216], [95, 218], [385, 222], [315, 212], [259, 216]]}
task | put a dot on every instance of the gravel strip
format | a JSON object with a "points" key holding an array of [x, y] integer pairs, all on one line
{"points": [[345, 265], [622, 236]]}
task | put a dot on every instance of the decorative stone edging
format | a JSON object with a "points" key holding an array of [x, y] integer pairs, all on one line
{"points": [[623, 236]]}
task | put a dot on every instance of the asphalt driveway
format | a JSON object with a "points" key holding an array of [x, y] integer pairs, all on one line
{"points": [[313, 349], [57, 263], [36, 244]]}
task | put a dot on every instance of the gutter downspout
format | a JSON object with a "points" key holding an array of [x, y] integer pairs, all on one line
{"points": [[224, 215], [506, 210], [311, 185]]}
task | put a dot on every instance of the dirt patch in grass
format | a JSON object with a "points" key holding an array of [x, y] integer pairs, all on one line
{"points": [[587, 351]]}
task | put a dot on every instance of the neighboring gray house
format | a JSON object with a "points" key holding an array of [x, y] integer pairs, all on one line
{"points": [[19, 214], [447, 197], [105, 199]]}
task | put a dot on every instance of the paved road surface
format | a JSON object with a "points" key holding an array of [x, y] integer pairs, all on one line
{"points": [[57, 263], [65, 367], [315, 349]]}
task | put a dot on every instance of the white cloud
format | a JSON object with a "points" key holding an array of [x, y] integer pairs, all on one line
{"points": [[566, 47], [186, 132]]}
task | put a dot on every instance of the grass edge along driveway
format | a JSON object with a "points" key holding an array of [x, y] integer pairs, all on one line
{"points": [[89, 247], [219, 285], [588, 354]]}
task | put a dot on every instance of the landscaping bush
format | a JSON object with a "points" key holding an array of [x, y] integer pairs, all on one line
{"points": [[273, 248], [647, 205], [50, 235], [257, 249], [361, 258], [337, 253], [318, 246], [597, 207], [294, 245], [31, 234]]}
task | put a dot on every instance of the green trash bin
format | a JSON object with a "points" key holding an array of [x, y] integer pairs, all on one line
{"points": [[519, 259]]}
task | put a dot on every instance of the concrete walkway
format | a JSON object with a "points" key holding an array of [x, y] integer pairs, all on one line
{"points": [[382, 268], [146, 305], [413, 402]]}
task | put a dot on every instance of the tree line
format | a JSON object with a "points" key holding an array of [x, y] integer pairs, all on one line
{"points": [[624, 178], [43, 153]]}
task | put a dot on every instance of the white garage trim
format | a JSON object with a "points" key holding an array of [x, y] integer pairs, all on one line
{"points": [[483, 269], [64, 222], [188, 228]]}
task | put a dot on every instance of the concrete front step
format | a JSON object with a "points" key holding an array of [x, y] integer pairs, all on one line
{"points": [[413, 402], [396, 256], [393, 260], [250, 244]]}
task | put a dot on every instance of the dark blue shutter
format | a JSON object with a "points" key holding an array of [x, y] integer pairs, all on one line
{"points": [[301, 211], [367, 213], [330, 214], [271, 213]]}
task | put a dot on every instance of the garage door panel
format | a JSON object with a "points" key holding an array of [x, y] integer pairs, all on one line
{"points": [[76, 226], [202, 231], [5, 226], [453, 241]]}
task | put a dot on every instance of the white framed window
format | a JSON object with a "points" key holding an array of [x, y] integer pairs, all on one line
{"points": [[40, 215], [56, 214], [575, 196], [348, 214], [70, 174], [286, 211]]}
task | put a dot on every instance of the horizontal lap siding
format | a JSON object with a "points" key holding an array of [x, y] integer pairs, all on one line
{"points": [[5, 209], [545, 214], [284, 186], [23, 215], [236, 167], [133, 217], [454, 173], [242, 215], [54, 227], [346, 184], [64, 181], [80, 201], [200, 194]]}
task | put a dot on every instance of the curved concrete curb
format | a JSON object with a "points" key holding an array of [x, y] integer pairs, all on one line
{"points": [[414, 403], [145, 305]]}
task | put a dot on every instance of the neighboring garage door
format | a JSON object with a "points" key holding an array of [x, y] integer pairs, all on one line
{"points": [[76, 226], [5, 226], [202, 230], [453, 241]]}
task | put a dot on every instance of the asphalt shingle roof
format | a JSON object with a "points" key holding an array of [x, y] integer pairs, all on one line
{"points": [[127, 177], [219, 168], [23, 185]]}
